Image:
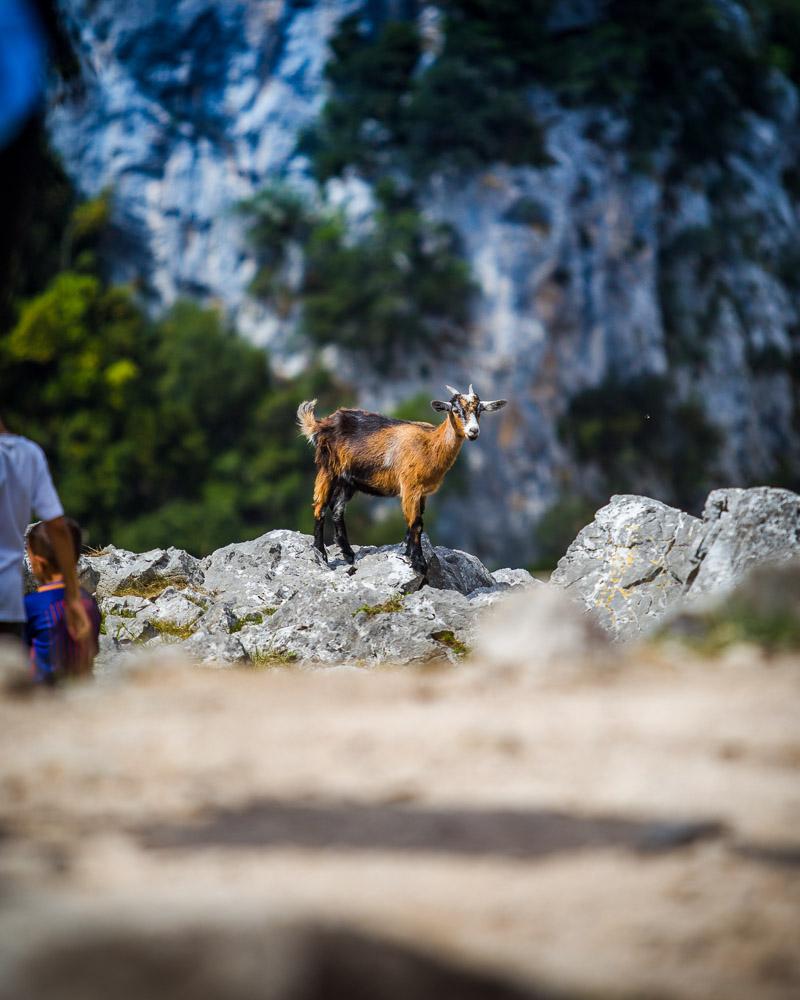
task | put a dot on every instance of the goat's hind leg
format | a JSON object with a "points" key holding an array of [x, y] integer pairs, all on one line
{"points": [[322, 494], [340, 497]]}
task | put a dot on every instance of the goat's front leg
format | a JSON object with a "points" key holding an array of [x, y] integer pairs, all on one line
{"points": [[322, 492], [341, 495], [413, 504], [409, 539]]}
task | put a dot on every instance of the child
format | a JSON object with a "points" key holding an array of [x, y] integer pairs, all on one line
{"points": [[54, 654]]}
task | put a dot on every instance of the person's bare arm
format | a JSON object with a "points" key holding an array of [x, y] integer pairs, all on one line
{"points": [[78, 624]]}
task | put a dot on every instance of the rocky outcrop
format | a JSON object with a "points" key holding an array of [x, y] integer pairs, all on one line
{"points": [[639, 558], [744, 529], [274, 601], [631, 563]]}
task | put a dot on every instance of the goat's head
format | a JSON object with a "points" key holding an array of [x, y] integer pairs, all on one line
{"points": [[465, 409]]}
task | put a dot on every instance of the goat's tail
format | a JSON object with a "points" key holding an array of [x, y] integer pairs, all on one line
{"points": [[307, 421]]}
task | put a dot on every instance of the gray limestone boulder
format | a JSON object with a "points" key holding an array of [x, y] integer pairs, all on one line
{"points": [[743, 529], [640, 560], [127, 631], [175, 611], [274, 601], [119, 571], [245, 568], [217, 649], [631, 563], [88, 575], [362, 621], [381, 572]]}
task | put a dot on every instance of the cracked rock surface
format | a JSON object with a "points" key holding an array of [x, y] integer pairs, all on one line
{"points": [[273, 601], [640, 558]]}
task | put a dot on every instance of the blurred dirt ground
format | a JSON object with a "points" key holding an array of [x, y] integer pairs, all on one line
{"points": [[635, 833]]}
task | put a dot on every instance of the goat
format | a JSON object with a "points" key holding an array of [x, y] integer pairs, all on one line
{"points": [[370, 453]]}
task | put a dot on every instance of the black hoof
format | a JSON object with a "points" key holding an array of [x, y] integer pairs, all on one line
{"points": [[349, 557], [322, 552]]}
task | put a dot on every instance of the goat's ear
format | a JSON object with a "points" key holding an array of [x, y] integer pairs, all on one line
{"points": [[439, 404], [493, 404]]}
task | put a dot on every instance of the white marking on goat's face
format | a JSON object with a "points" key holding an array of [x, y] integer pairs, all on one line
{"points": [[466, 410], [471, 428]]}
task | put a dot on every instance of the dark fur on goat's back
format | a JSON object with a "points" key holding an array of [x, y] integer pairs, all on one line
{"points": [[356, 423], [359, 448]]}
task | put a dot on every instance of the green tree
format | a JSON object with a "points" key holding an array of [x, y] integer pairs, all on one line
{"points": [[370, 76], [165, 433], [400, 287]]}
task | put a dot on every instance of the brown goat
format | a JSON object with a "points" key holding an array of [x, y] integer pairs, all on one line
{"points": [[370, 453]]}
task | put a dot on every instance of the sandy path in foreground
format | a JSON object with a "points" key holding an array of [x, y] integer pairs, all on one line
{"points": [[87, 776]]}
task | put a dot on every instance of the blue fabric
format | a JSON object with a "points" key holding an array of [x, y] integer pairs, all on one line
{"points": [[53, 652], [22, 65]]}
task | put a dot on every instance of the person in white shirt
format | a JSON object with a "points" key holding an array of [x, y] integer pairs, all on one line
{"points": [[25, 487]]}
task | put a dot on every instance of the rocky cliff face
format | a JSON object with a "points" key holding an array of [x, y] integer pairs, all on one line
{"points": [[183, 110], [588, 269]]}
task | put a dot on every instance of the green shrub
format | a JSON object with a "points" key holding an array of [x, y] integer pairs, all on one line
{"points": [[446, 637], [278, 217], [781, 27], [38, 203], [680, 71], [461, 116], [466, 109], [401, 286], [531, 212], [767, 360], [369, 76], [166, 433], [392, 606]]}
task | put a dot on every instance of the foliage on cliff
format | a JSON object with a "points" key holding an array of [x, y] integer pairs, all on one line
{"points": [[401, 285], [681, 72]]}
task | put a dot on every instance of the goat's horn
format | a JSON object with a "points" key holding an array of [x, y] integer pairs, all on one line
{"points": [[452, 391], [470, 393]]}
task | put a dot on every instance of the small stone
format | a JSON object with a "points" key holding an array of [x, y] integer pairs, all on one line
{"points": [[451, 569], [515, 578]]}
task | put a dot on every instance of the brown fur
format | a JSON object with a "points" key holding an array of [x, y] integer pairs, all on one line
{"points": [[420, 455], [358, 450]]}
